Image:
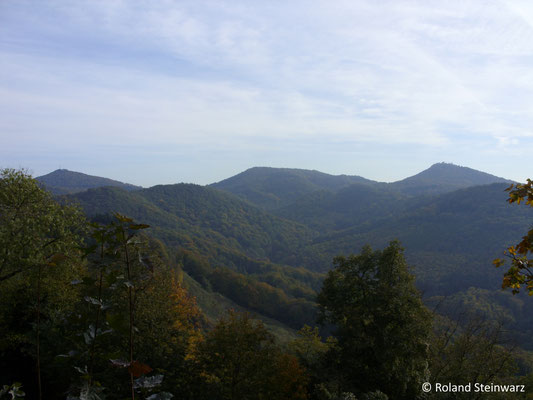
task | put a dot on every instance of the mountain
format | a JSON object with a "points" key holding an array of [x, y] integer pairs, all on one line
{"points": [[271, 188], [271, 262], [444, 177], [346, 207], [63, 181], [475, 223], [187, 213], [283, 188], [450, 241], [225, 244]]}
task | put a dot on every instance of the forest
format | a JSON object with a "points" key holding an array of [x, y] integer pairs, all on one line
{"points": [[183, 291]]}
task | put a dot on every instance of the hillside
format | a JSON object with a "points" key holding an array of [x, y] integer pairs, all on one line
{"points": [[349, 206], [202, 216], [283, 188], [444, 177], [224, 243], [273, 264], [271, 188], [474, 222], [63, 181]]}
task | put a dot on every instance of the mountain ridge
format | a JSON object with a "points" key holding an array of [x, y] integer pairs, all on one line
{"points": [[63, 181], [445, 177], [250, 252], [277, 188], [271, 188]]}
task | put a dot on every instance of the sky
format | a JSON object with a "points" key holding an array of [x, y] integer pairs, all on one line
{"points": [[156, 92]]}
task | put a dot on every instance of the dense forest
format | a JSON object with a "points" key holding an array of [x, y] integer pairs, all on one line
{"points": [[264, 286]]}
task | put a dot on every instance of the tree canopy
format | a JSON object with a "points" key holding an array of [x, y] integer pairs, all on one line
{"points": [[380, 322], [33, 227]]}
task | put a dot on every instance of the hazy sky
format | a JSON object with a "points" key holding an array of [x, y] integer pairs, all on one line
{"points": [[168, 91]]}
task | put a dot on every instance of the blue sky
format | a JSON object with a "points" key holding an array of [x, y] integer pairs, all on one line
{"points": [[163, 91]]}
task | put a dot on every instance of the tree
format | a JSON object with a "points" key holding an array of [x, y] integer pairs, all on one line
{"points": [[33, 226], [39, 256], [239, 360], [470, 350], [380, 323], [520, 272], [136, 316], [312, 353]]}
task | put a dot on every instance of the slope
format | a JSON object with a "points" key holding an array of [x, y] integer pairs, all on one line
{"points": [[271, 188], [444, 177], [63, 181], [349, 206], [450, 241], [224, 243]]}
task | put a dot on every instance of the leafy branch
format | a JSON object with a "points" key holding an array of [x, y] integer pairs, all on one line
{"points": [[520, 272]]}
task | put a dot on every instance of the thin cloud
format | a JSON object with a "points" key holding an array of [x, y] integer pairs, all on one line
{"points": [[219, 74]]}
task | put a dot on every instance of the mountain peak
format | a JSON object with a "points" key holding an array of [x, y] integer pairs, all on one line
{"points": [[63, 181], [271, 188], [443, 177]]}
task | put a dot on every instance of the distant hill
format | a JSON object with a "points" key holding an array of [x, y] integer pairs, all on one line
{"points": [[444, 177], [193, 215], [476, 223], [284, 188], [349, 206], [224, 243], [270, 258], [271, 188], [63, 181], [450, 241]]}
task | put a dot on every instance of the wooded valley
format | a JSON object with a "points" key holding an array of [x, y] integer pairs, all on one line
{"points": [[275, 283]]}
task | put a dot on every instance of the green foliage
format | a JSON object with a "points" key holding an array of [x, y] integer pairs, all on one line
{"points": [[39, 256], [271, 188], [33, 227], [313, 353], [262, 297], [309, 347], [121, 323], [203, 220], [380, 322], [130, 297], [472, 350], [347, 207], [449, 238], [239, 360], [210, 229], [12, 392], [520, 272], [444, 177]]}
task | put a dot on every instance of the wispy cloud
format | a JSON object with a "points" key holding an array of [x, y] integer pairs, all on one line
{"points": [[218, 75]]}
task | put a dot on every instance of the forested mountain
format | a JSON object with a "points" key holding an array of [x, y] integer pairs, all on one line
{"points": [[204, 218], [224, 243], [118, 290], [272, 188], [354, 204], [445, 177], [451, 239], [264, 262], [63, 181]]}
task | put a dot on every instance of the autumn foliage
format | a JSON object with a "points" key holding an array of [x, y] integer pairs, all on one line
{"points": [[520, 272]]}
